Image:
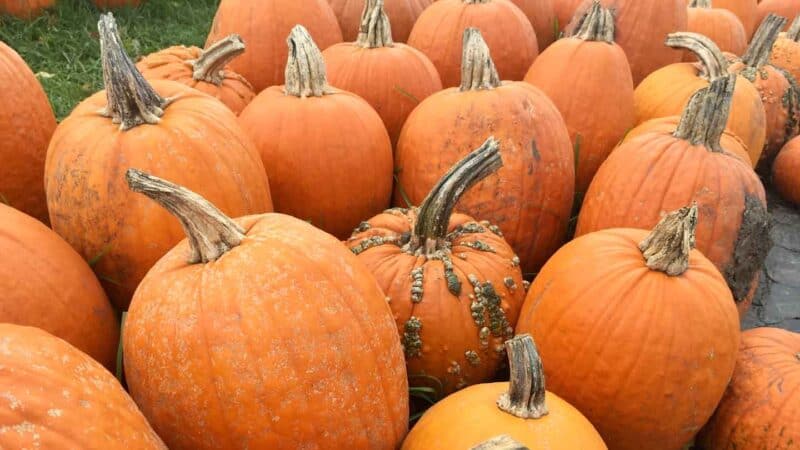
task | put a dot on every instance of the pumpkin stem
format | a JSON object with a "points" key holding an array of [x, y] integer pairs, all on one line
{"points": [[597, 24], [375, 30], [704, 119], [305, 69], [760, 47], [502, 442], [211, 233], [434, 213], [667, 247], [131, 99], [526, 394], [210, 66], [794, 30], [700, 4], [710, 56], [477, 68]]}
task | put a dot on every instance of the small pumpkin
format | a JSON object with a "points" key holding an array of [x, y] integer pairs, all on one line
{"points": [[106, 4], [402, 15], [543, 18], [786, 50], [204, 70], [25, 9], [520, 408], [296, 332], [785, 170], [718, 24]]}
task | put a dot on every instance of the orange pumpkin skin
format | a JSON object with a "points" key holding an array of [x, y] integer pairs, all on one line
{"points": [[786, 55], [745, 10], [26, 125], [264, 31], [591, 316], [116, 3], [788, 9], [25, 9], [785, 170], [508, 32], [542, 16], [721, 26], [56, 397], [761, 408], [402, 15]]}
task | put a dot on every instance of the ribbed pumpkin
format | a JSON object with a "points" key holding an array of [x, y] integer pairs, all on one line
{"points": [[667, 91], [761, 408], [271, 335], [402, 15], [787, 9], [718, 24], [785, 171], [543, 18], [25, 9], [520, 409], [264, 25], [392, 77], [663, 170], [588, 78], [204, 70], [56, 397], [530, 199], [786, 50], [116, 3], [26, 125], [438, 31], [168, 128], [637, 330], [326, 151], [453, 283]]}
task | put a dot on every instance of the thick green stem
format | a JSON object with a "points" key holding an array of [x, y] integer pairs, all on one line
{"points": [[760, 47], [704, 118], [305, 68], [668, 246], [596, 25], [210, 66], [477, 68], [502, 442], [710, 56], [375, 30], [526, 393]]}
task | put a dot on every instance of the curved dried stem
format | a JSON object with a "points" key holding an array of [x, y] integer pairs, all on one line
{"points": [[668, 246], [210, 66], [760, 47], [704, 119], [526, 393], [708, 53]]}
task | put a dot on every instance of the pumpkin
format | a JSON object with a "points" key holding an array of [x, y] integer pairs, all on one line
{"points": [[392, 77], [327, 152], [438, 31], [785, 170], [56, 397], [785, 8], [631, 324], [786, 50], [761, 408], [294, 328], [264, 25], [26, 125], [745, 10], [530, 199], [437, 268], [25, 9], [718, 24], [204, 70], [402, 15], [588, 78], [664, 169], [520, 408], [105, 4], [667, 91], [165, 127], [543, 18]]}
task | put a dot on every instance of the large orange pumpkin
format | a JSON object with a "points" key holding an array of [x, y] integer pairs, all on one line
{"points": [[204, 70], [543, 18], [588, 78], [168, 128], [402, 15], [507, 30], [786, 50], [272, 335], [326, 151], [785, 171], [637, 330], [530, 199], [26, 125], [392, 77], [56, 397], [718, 24], [521, 409], [264, 25], [25, 9]]}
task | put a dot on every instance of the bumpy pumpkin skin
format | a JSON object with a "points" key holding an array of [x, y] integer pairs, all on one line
{"points": [[402, 15], [288, 329], [786, 55], [785, 170], [26, 125], [25, 9], [721, 26], [624, 343], [56, 397], [542, 16]]}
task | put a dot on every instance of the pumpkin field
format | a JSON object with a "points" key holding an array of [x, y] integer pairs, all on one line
{"points": [[400, 224]]}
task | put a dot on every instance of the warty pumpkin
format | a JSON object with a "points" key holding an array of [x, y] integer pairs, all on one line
{"points": [[25, 9], [542, 16], [786, 50], [326, 151], [637, 330], [520, 408], [204, 70], [294, 329], [438, 31], [453, 283], [785, 169], [392, 77], [54, 396], [787, 9], [165, 127], [402, 15], [718, 24], [530, 199], [588, 78]]}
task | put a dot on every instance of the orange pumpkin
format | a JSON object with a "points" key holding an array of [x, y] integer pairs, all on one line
{"points": [[785, 8], [588, 78], [745, 10], [294, 329], [530, 199], [392, 77], [521, 408], [105, 4], [204, 70], [543, 18], [786, 50], [25, 9], [326, 151], [26, 125], [264, 25], [402, 15], [438, 31], [785, 170], [168, 128], [718, 24], [637, 330]]}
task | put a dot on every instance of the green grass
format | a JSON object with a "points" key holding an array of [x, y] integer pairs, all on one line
{"points": [[62, 48]]}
